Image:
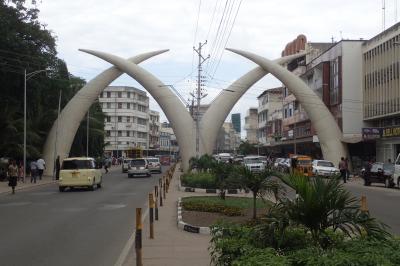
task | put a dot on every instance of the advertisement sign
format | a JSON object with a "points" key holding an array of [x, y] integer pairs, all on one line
{"points": [[391, 132], [369, 133]]}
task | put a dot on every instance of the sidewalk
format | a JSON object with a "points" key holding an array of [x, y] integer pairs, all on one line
{"points": [[171, 246], [4, 188]]}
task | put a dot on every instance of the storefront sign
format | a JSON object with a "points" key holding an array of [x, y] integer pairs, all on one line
{"points": [[391, 132], [371, 133]]}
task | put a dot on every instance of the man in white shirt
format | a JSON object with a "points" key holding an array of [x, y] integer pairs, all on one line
{"points": [[41, 165]]}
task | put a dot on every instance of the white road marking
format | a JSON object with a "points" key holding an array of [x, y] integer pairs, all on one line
{"points": [[15, 204], [109, 207]]}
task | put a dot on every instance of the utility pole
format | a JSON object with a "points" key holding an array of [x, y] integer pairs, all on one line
{"points": [[87, 133], [199, 94]]}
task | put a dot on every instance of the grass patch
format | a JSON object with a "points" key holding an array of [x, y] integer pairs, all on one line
{"points": [[238, 202]]}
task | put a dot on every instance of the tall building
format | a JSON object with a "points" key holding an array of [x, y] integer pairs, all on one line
{"points": [[168, 142], [228, 139], [236, 122], [251, 125], [126, 112], [154, 129], [381, 90]]}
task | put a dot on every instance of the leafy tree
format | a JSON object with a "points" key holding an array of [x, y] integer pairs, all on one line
{"points": [[247, 148], [260, 184], [224, 177], [204, 163], [323, 204]]}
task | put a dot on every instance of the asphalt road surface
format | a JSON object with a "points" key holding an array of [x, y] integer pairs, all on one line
{"points": [[42, 226], [383, 203]]}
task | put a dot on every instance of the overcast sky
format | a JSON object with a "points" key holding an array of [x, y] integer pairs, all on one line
{"points": [[129, 27]]}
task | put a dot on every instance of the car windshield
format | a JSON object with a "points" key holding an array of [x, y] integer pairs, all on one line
{"points": [[153, 160], [304, 162], [138, 162], [325, 164], [127, 161], [78, 164], [252, 160]]}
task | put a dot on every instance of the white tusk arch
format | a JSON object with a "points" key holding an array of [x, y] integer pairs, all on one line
{"points": [[182, 122], [220, 108], [328, 131], [73, 113]]}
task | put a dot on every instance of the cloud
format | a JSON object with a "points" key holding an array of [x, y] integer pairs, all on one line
{"points": [[126, 28]]}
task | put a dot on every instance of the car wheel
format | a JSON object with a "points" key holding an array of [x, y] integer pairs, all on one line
{"points": [[129, 176], [91, 188], [99, 185], [61, 189]]}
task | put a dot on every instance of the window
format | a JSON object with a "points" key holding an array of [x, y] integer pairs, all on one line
{"points": [[101, 95], [119, 105], [119, 118], [142, 98], [129, 94], [119, 133], [108, 133], [141, 121], [128, 106], [119, 94], [108, 105], [142, 135], [142, 108], [108, 94], [128, 119], [108, 118], [128, 133], [334, 90]]}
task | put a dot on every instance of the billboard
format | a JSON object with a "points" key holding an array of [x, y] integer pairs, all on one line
{"points": [[369, 133]]}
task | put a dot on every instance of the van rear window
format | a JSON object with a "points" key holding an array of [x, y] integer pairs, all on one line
{"points": [[138, 162], [78, 164]]}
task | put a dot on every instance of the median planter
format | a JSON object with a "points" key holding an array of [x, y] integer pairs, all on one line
{"points": [[208, 190]]}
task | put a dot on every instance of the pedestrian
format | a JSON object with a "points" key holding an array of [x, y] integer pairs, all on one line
{"points": [[346, 160], [41, 165], [57, 167], [343, 170], [12, 175], [34, 170], [106, 165], [21, 170]]}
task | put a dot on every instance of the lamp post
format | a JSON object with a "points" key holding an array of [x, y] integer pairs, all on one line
{"points": [[27, 76]]}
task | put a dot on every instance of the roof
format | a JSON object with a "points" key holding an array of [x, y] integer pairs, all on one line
{"points": [[277, 90]]}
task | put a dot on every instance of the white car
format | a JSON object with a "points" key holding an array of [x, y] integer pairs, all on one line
{"points": [[324, 168], [139, 167], [154, 164], [254, 164]]}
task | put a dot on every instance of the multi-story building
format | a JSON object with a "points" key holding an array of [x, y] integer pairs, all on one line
{"points": [[237, 125], [381, 90], [228, 139], [154, 129], [269, 102], [126, 112], [251, 125], [167, 140]]}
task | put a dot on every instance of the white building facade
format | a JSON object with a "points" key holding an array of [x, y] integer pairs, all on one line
{"points": [[126, 126]]}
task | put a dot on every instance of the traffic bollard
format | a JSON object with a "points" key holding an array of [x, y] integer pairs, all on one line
{"points": [[151, 204], [160, 195], [156, 203], [364, 207], [164, 194], [138, 237]]}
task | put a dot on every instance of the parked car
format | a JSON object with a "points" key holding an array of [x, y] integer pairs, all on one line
{"points": [[254, 164], [139, 167], [380, 173], [224, 157], [285, 165], [277, 162], [154, 164], [79, 172], [324, 168], [126, 165]]}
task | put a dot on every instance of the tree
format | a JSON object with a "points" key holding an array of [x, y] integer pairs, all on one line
{"points": [[204, 163], [224, 177], [260, 184], [247, 148], [323, 204]]}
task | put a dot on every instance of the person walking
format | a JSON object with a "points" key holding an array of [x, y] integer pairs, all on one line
{"points": [[106, 165], [343, 169], [13, 175], [34, 170], [21, 170], [58, 167], [41, 165]]}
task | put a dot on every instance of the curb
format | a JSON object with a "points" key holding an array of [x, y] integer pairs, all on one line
{"points": [[188, 227], [29, 187], [210, 190]]}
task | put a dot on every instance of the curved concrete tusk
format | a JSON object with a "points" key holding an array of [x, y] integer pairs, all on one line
{"points": [[328, 131]]}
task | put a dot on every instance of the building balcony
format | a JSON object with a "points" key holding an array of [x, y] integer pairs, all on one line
{"points": [[296, 118]]}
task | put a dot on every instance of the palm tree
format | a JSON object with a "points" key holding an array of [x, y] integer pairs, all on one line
{"points": [[260, 184], [321, 204]]}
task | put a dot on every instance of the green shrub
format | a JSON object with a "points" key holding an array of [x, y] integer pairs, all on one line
{"points": [[261, 257], [199, 180], [212, 207]]}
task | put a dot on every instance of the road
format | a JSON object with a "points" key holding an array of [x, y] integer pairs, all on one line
{"points": [[45, 227], [383, 203]]}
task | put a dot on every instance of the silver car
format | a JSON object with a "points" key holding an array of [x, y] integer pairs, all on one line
{"points": [[139, 167], [154, 164]]}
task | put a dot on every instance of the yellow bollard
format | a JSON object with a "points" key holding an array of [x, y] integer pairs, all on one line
{"points": [[156, 203], [151, 204], [364, 207], [138, 237]]}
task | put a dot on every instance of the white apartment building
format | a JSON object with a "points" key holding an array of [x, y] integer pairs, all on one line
{"points": [[269, 102], [154, 129], [127, 119], [167, 140]]}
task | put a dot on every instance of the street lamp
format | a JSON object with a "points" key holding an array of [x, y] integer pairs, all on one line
{"points": [[27, 76]]}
